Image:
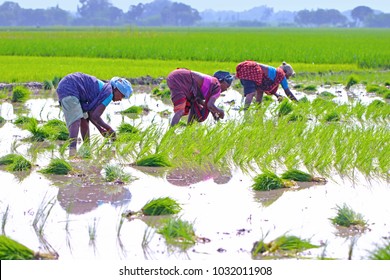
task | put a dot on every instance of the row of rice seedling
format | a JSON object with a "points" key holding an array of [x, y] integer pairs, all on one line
{"points": [[364, 47]]}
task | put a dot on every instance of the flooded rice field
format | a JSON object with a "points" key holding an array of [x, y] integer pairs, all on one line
{"points": [[82, 216]]}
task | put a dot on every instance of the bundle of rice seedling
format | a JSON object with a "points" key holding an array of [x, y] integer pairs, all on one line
{"points": [[161, 206], [15, 162], [57, 166], [300, 176], [178, 232], [127, 128], [381, 252], [113, 172], [285, 108], [133, 110], [156, 160], [346, 217], [56, 129], [13, 250], [20, 94], [267, 181], [282, 245]]}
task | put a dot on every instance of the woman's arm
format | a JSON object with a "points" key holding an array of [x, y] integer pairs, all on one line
{"points": [[95, 118], [214, 109]]}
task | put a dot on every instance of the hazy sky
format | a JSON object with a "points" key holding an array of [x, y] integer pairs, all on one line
{"points": [[237, 5]]}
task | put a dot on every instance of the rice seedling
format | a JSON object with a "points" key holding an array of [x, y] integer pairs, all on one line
{"points": [[23, 121], [300, 176], [332, 117], [347, 217], [285, 107], [114, 172], [154, 160], [15, 162], [382, 252], [4, 220], [326, 95], [136, 110], [48, 85], [283, 246], [161, 206], [56, 129], [13, 250], [310, 88], [38, 133], [352, 80], [57, 166], [267, 181], [42, 214], [178, 232], [127, 128], [20, 94], [92, 231]]}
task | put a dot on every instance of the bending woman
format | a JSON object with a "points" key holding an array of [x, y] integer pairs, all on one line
{"points": [[194, 94]]}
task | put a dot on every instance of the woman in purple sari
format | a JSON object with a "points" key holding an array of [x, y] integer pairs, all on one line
{"points": [[84, 98], [194, 94]]}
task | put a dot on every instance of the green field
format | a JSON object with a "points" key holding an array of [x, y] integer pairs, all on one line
{"points": [[39, 54]]}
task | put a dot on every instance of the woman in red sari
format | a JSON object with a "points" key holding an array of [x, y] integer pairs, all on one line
{"points": [[194, 94]]}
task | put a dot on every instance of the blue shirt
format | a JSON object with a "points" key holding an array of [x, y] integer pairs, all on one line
{"points": [[272, 76]]}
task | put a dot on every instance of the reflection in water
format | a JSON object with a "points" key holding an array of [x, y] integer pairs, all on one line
{"points": [[188, 176], [76, 199]]}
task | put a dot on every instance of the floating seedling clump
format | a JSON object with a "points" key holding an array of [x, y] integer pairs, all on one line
{"points": [[267, 181], [13, 250], [285, 108], [15, 162], [283, 246], [155, 160], [127, 128], [57, 166], [381, 252], [300, 176], [161, 206], [20, 94], [346, 217], [114, 172], [178, 232], [56, 129]]}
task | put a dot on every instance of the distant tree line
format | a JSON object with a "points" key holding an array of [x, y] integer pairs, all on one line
{"points": [[168, 13]]}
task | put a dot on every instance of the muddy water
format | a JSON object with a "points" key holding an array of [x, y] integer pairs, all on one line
{"points": [[84, 220]]}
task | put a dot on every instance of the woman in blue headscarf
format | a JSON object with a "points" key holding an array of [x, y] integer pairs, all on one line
{"points": [[194, 94], [84, 98]]}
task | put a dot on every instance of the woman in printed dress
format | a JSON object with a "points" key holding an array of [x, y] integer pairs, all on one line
{"points": [[258, 78]]}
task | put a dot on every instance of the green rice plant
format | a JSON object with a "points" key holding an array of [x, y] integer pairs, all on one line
{"points": [[346, 217], [15, 162], [352, 80], [267, 181], [20, 94], [38, 133], [4, 220], [114, 172], [285, 107], [154, 160], [56, 129], [382, 252], [285, 245], [56, 81], [57, 166], [127, 128], [178, 232], [326, 95], [294, 117], [300, 176], [310, 88], [133, 110], [161, 206], [13, 250], [48, 85], [42, 214], [92, 230], [23, 121], [332, 117]]}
